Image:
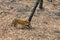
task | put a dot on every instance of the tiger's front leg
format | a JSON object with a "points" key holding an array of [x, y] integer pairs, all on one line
{"points": [[27, 25]]}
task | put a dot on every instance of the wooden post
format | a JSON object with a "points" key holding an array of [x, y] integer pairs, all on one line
{"points": [[50, 0], [41, 4]]}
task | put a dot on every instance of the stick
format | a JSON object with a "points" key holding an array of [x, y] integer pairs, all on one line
{"points": [[33, 11]]}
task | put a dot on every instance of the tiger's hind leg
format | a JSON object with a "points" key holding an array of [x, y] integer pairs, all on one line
{"points": [[14, 23]]}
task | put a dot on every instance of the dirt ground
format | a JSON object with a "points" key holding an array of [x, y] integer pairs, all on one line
{"points": [[45, 23]]}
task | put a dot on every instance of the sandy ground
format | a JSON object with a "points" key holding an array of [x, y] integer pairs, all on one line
{"points": [[45, 23]]}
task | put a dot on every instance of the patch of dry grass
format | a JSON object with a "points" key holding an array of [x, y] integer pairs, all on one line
{"points": [[46, 24]]}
